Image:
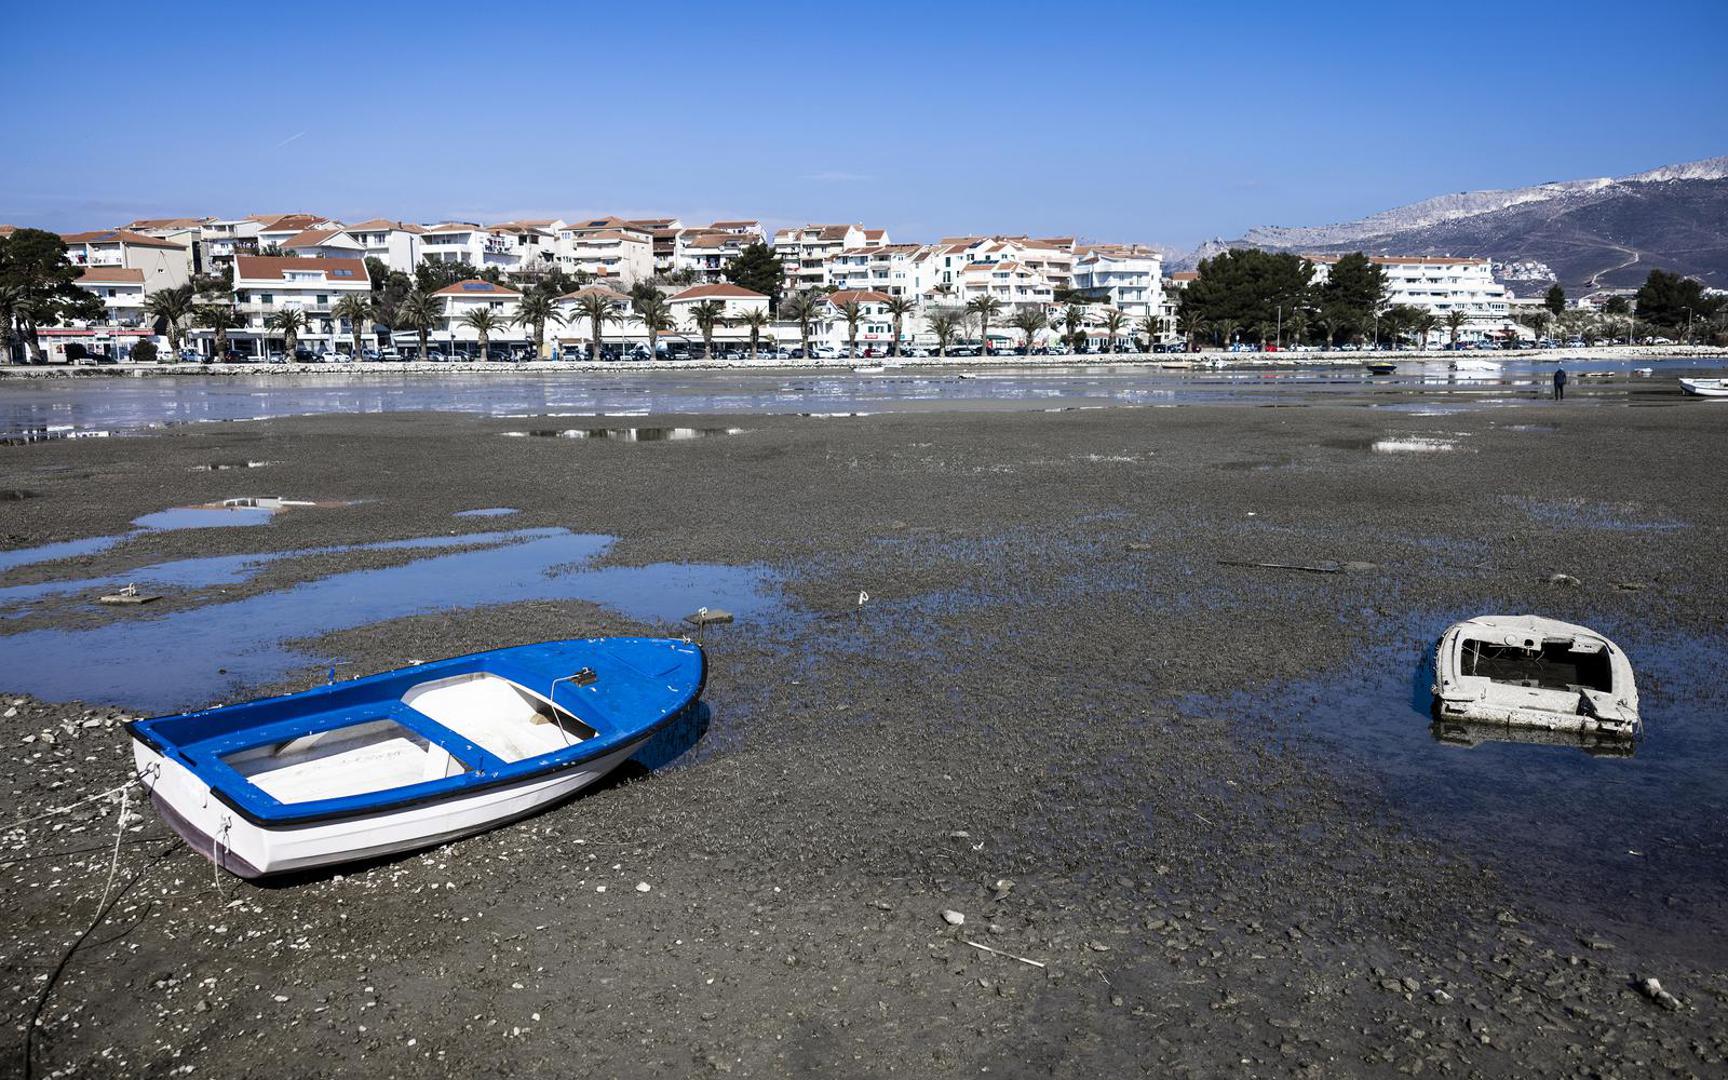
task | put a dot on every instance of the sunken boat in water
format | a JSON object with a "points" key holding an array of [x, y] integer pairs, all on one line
{"points": [[410, 758], [1525, 671]]}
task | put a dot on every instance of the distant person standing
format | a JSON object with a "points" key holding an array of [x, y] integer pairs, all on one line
{"points": [[1559, 384]]}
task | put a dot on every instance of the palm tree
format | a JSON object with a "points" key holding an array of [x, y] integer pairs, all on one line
{"points": [[534, 312], [1423, 325], [598, 309], [756, 319], [1114, 323], [357, 311], [656, 315], [290, 321], [12, 297], [853, 312], [1151, 326], [1455, 321], [984, 307], [1191, 321], [802, 308], [483, 321], [1074, 319], [1225, 329], [945, 322], [418, 312], [706, 316], [1333, 323], [899, 307], [220, 318], [1029, 320], [171, 307]]}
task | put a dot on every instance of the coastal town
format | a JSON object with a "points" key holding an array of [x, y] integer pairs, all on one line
{"points": [[309, 287]]}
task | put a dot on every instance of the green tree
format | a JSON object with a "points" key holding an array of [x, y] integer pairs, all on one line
{"points": [[1073, 321], [1352, 296], [171, 308], [533, 313], [655, 311], [290, 321], [356, 311], [1423, 325], [758, 269], [945, 322], [1151, 326], [1247, 288], [1555, 300], [144, 353], [484, 322], [1114, 323], [1029, 321], [219, 318], [1455, 321], [984, 307], [1617, 305], [803, 309], [599, 309], [1225, 331], [853, 312], [1671, 301], [418, 312], [1400, 319], [430, 276], [706, 316], [756, 319], [42, 288], [899, 307]]}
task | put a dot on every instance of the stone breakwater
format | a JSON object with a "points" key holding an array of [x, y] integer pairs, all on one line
{"points": [[1209, 357]]}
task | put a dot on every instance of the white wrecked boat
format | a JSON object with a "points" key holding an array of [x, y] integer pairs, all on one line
{"points": [[1530, 672], [1716, 388]]}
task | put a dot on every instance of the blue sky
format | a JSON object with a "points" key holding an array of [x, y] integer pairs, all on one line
{"points": [[1165, 123]]}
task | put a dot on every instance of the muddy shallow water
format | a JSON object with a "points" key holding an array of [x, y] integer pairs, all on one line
{"points": [[1291, 872]]}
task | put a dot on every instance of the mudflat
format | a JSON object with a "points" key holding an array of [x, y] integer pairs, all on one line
{"points": [[1202, 797]]}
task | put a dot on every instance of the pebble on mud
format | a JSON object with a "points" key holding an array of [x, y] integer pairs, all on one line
{"points": [[1652, 989], [953, 918]]}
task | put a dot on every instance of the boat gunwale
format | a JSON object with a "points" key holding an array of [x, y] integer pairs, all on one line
{"points": [[463, 785]]}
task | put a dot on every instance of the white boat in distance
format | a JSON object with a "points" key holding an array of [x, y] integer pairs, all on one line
{"points": [[1713, 388], [1475, 364]]}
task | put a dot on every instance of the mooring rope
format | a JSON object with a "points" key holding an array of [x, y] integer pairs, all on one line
{"points": [[73, 806]]}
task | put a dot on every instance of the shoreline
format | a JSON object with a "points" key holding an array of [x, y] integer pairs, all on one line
{"points": [[1174, 361]]}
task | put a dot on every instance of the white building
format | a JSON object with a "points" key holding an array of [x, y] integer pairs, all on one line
{"points": [[1126, 277], [266, 284], [466, 242], [575, 334], [324, 244], [465, 297], [164, 263], [735, 299], [276, 230], [894, 269], [609, 248], [394, 243], [1441, 286], [705, 252], [875, 327], [805, 251]]}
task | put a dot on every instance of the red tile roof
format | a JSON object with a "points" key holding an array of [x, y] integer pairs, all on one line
{"points": [[595, 290], [311, 238], [120, 236], [476, 287], [863, 296], [722, 291], [111, 275], [273, 267]]}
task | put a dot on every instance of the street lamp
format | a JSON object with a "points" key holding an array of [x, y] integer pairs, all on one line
{"points": [[1688, 326]]}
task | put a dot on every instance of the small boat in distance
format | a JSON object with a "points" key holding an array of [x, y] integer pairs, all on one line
{"points": [[1712, 388], [410, 758], [1476, 365], [1526, 671], [1381, 367], [869, 369]]}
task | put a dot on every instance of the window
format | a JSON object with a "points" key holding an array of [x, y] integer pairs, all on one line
{"points": [[323, 299]]}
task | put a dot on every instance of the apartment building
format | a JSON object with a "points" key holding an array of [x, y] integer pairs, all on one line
{"points": [[324, 244], [577, 330], [394, 243], [163, 263], [706, 252], [894, 269], [1440, 285], [535, 240], [276, 230], [663, 238], [122, 291], [1011, 283], [220, 239], [805, 251], [1126, 277], [463, 298], [735, 299], [267, 284], [875, 328]]}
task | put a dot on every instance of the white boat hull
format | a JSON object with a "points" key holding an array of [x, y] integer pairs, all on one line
{"points": [[1713, 388], [250, 850], [1462, 693]]}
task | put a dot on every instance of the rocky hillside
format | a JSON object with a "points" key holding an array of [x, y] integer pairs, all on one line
{"points": [[1583, 233]]}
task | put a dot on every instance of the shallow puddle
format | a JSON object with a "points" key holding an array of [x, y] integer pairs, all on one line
{"points": [[196, 656], [631, 434], [1626, 838], [488, 512], [206, 517]]}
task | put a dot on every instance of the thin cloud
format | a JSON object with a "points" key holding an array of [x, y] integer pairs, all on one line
{"points": [[834, 176], [289, 139]]}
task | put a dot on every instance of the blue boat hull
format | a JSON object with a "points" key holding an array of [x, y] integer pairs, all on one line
{"points": [[413, 757]]}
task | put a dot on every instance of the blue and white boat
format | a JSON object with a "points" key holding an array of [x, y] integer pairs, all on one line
{"points": [[410, 758]]}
